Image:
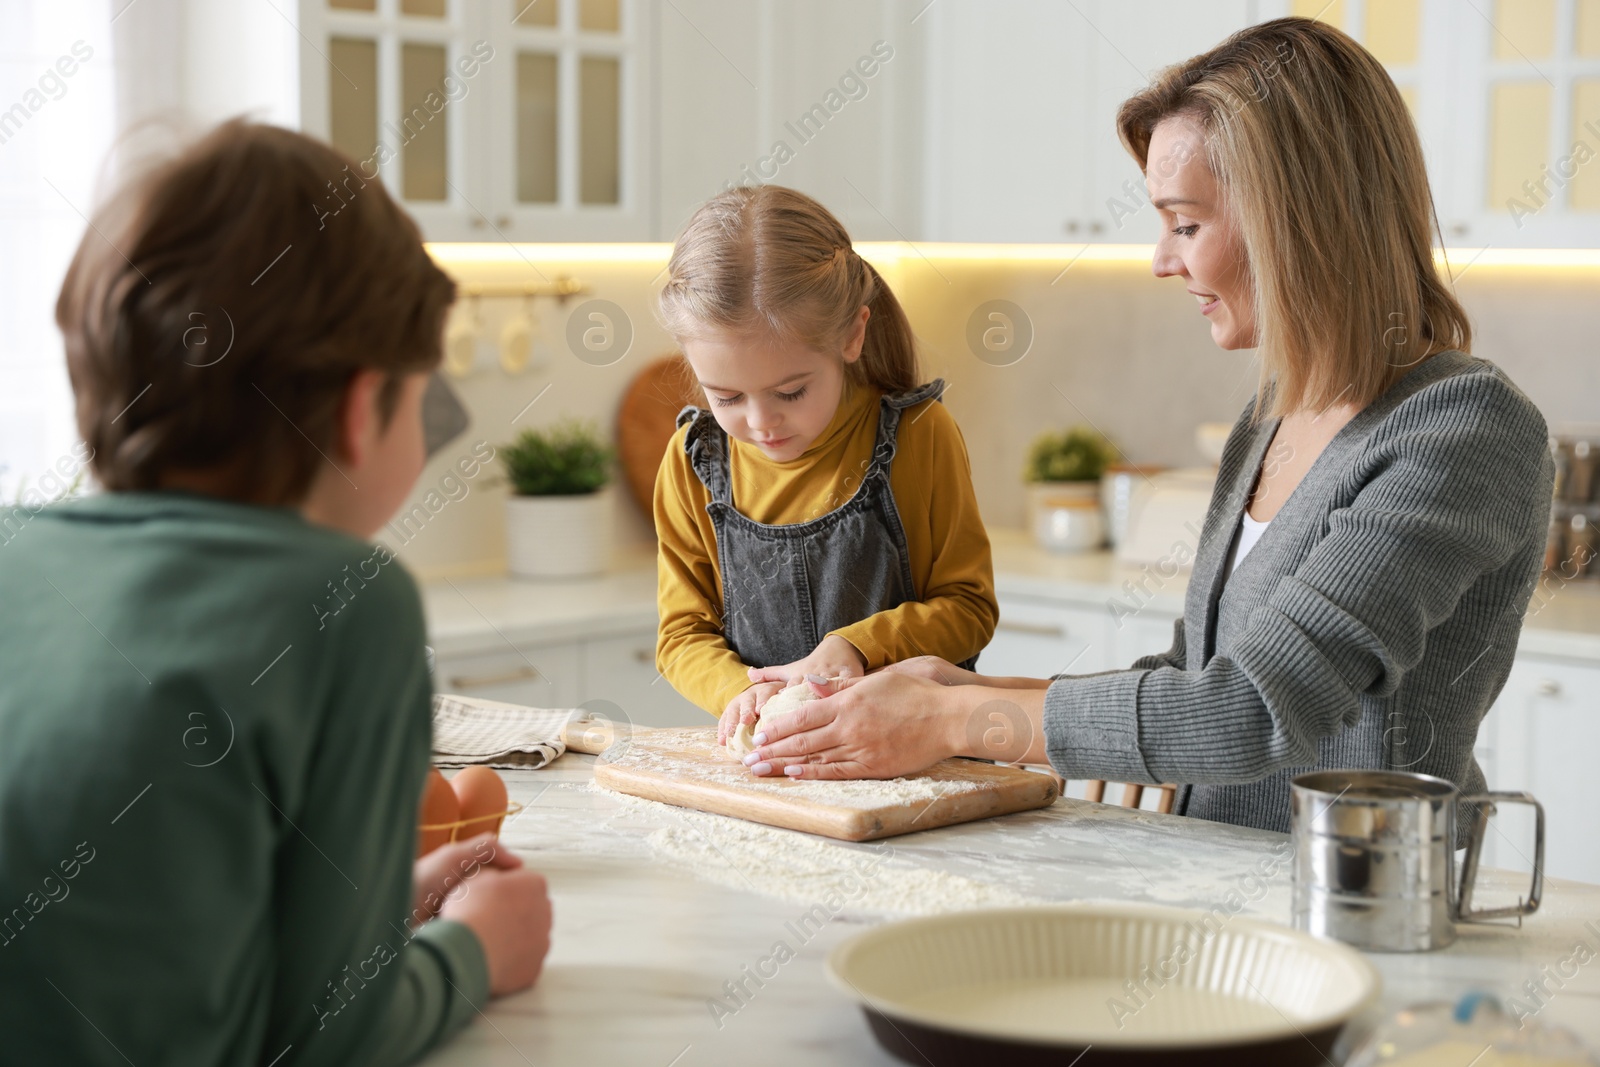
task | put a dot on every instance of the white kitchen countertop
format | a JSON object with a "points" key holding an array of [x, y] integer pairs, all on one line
{"points": [[464, 614], [644, 942]]}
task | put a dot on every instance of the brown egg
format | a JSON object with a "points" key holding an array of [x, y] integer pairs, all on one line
{"points": [[482, 796], [439, 805]]}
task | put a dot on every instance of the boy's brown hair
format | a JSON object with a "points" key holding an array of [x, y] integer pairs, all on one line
{"points": [[218, 306]]}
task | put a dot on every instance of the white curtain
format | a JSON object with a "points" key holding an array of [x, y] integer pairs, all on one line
{"points": [[86, 86], [56, 120]]}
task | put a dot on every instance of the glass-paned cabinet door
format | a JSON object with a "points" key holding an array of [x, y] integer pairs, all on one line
{"points": [[1399, 35], [1506, 94], [520, 120], [399, 85], [569, 143], [1390, 29], [1531, 97]]}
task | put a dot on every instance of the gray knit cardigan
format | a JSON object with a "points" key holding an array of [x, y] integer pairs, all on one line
{"points": [[1371, 626]]}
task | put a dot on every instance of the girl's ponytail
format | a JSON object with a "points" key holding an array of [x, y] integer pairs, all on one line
{"points": [[889, 356]]}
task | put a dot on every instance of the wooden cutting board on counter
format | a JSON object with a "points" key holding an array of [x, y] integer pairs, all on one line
{"points": [[686, 767]]}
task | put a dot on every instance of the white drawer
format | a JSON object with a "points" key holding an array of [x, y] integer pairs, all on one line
{"points": [[620, 681], [543, 676], [1037, 639], [1144, 634]]}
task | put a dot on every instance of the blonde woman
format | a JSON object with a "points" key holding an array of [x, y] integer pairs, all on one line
{"points": [[1380, 510]]}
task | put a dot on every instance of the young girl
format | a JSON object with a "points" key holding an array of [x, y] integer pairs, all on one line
{"points": [[818, 519]]}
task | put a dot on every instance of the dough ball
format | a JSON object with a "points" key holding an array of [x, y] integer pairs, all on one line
{"points": [[741, 742]]}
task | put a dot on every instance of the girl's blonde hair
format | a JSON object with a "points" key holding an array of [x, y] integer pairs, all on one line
{"points": [[1322, 173], [771, 259]]}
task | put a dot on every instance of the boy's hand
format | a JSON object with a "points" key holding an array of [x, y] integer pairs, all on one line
{"points": [[746, 707], [443, 871], [509, 910], [833, 658]]}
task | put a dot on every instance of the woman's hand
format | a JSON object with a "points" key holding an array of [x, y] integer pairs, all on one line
{"points": [[834, 657], [935, 670], [746, 708], [882, 726]]}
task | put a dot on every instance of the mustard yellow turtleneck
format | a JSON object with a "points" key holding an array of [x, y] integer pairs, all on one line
{"points": [[932, 485]]}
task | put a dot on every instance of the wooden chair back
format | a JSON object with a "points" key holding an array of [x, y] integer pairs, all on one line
{"points": [[1133, 795]]}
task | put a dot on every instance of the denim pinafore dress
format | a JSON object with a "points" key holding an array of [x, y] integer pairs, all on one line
{"points": [[785, 588]]}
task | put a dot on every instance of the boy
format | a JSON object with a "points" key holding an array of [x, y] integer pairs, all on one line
{"points": [[208, 781]]}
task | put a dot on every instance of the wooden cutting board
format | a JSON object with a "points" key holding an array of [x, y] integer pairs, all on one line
{"points": [[647, 418], [686, 767]]}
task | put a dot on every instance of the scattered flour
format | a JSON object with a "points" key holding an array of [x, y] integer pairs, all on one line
{"points": [[804, 870]]}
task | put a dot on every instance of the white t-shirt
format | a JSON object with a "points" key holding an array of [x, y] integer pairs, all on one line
{"points": [[1245, 539]]}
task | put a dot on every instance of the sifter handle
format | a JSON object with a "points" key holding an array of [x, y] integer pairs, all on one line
{"points": [[1484, 805]]}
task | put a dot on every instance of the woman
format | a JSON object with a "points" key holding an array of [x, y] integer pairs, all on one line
{"points": [[1381, 505]]}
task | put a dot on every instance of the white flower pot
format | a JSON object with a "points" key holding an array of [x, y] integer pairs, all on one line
{"points": [[1066, 516], [558, 536]]}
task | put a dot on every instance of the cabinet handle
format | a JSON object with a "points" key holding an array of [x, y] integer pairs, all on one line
{"points": [[503, 222], [467, 681], [479, 222], [1038, 629], [644, 655], [1097, 227], [1548, 687]]}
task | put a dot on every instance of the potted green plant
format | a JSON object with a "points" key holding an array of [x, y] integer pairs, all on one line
{"points": [[1063, 473], [558, 517]]}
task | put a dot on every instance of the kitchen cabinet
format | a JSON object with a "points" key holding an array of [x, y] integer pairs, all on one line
{"points": [[1038, 638], [1506, 95], [520, 120], [824, 96], [545, 676], [1542, 737], [609, 120], [621, 673], [1144, 634], [1007, 90], [614, 676], [1023, 100], [1524, 120]]}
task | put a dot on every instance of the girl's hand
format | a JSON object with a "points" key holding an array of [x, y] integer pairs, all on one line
{"points": [[882, 726], [746, 707], [935, 670], [833, 658]]}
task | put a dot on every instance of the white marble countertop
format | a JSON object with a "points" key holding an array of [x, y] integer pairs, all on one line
{"points": [[466, 614], [656, 909]]}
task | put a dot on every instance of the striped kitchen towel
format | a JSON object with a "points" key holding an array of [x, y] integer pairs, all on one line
{"points": [[473, 730]]}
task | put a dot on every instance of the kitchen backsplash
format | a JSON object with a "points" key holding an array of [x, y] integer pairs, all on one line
{"points": [[1102, 343]]}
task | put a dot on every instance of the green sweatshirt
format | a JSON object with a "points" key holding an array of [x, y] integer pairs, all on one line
{"points": [[214, 726]]}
